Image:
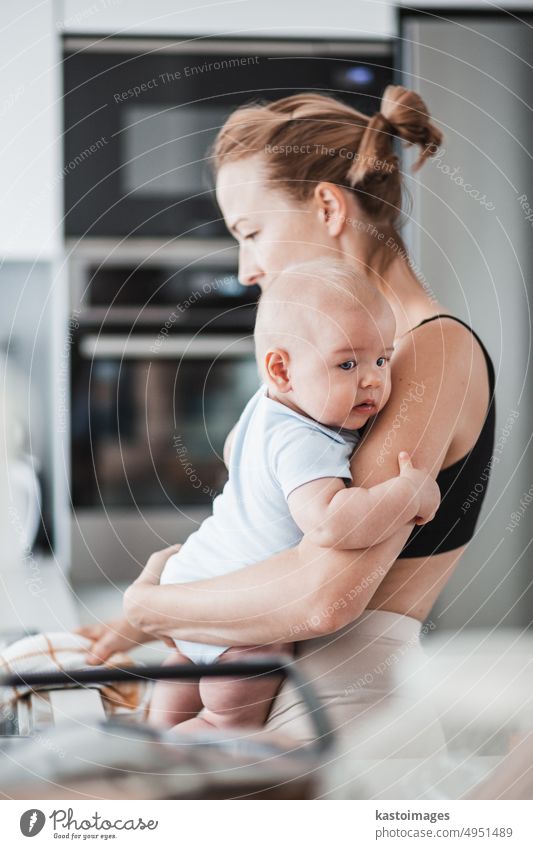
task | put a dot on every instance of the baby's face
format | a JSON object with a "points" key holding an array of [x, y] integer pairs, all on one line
{"points": [[343, 378]]}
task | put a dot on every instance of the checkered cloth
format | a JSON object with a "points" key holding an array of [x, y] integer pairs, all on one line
{"points": [[60, 652]]}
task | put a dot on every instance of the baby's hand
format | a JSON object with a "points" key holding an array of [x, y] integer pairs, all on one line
{"points": [[427, 489]]}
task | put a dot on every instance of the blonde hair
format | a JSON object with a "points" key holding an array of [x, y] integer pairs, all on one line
{"points": [[309, 138]]}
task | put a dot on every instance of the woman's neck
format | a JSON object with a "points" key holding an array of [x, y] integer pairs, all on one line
{"points": [[410, 299]]}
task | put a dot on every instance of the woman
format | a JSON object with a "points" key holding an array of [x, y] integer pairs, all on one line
{"points": [[302, 177]]}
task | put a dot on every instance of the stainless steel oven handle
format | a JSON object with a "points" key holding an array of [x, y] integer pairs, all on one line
{"points": [[161, 346]]}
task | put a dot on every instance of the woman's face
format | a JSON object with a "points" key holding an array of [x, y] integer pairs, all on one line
{"points": [[272, 229]]}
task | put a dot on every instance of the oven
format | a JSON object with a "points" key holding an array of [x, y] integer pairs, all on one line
{"points": [[140, 115], [162, 365]]}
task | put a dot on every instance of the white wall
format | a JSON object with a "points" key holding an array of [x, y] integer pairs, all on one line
{"points": [[30, 113], [32, 284], [476, 79]]}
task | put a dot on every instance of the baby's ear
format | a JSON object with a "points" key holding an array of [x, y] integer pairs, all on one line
{"points": [[277, 369]]}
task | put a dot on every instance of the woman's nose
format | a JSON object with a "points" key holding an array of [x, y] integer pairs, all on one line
{"points": [[249, 271]]}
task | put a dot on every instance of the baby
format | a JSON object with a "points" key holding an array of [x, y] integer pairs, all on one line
{"points": [[324, 339]]}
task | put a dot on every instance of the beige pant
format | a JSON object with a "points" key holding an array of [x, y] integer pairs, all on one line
{"points": [[369, 676]]}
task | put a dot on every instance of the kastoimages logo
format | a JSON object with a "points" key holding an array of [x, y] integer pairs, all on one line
{"points": [[32, 822]]}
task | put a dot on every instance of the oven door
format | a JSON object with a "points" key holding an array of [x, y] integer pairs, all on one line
{"points": [[148, 425]]}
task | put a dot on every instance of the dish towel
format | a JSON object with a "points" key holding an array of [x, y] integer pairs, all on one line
{"points": [[62, 651]]}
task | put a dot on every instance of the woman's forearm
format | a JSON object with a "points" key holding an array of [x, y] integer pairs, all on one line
{"points": [[297, 594]]}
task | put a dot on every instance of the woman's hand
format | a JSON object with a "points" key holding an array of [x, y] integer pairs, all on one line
{"points": [[120, 634], [151, 574], [110, 637], [134, 597]]}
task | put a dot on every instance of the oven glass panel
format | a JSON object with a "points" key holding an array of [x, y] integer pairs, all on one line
{"points": [[165, 148], [182, 288], [151, 434]]}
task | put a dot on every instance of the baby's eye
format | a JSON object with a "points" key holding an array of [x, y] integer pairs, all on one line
{"points": [[382, 361], [348, 365]]}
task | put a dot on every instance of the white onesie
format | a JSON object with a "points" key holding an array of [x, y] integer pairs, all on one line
{"points": [[274, 451]]}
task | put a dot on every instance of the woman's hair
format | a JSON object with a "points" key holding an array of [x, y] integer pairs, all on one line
{"points": [[308, 138]]}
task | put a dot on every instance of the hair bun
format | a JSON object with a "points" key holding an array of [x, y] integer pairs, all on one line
{"points": [[404, 114], [386, 123], [408, 114]]}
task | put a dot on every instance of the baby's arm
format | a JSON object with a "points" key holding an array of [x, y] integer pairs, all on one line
{"points": [[334, 516]]}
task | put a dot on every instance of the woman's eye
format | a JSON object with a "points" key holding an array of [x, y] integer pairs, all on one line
{"points": [[382, 361], [250, 236], [348, 365]]}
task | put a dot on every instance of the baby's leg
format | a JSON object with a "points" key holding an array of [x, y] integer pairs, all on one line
{"points": [[237, 702], [174, 701]]}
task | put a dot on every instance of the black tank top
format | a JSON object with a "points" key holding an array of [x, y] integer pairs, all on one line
{"points": [[462, 485]]}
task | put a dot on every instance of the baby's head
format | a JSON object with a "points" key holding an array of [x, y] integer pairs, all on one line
{"points": [[324, 336]]}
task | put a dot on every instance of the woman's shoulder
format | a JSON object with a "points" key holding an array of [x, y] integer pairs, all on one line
{"points": [[446, 357], [446, 336], [437, 342], [435, 381]]}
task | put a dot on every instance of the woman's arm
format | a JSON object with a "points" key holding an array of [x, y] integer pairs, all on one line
{"points": [[309, 591], [298, 593]]}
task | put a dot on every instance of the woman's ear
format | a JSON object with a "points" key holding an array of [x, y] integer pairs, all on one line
{"points": [[331, 206], [277, 369]]}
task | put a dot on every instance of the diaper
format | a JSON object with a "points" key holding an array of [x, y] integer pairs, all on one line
{"points": [[200, 652]]}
